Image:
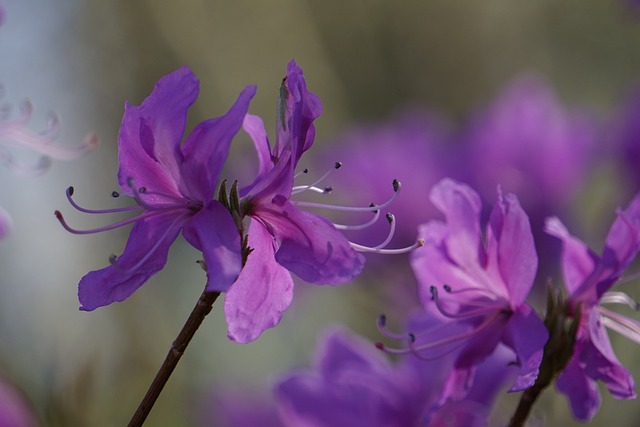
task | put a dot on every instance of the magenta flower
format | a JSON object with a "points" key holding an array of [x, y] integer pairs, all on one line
{"points": [[474, 292], [173, 185], [588, 279], [285, 239]]}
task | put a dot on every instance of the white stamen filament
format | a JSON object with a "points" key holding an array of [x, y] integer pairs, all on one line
{"points": [[362, 226], [619, 298], [621, 324]]}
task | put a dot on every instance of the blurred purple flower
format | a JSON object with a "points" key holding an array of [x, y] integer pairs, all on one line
{"points": [[588, 278], [353, 385], [173, 186], [412, 147], [283, 237], [531, 145], [476, 291], [238, 407], [626, 133], [15, 411]]}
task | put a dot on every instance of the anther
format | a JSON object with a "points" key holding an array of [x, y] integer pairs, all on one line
{"points": [[379, 345], [115, 194], [328, 189], [142, 190], [447, 288], [390, 217], [70, 191], [396, 185], [113, 258], [434, 292], [337, 165]]}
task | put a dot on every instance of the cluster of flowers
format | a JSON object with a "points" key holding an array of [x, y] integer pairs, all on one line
{"points": [[474, 331], [473, 283]]}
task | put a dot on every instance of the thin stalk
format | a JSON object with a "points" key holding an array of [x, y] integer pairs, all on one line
{"points": [[199, 312]]}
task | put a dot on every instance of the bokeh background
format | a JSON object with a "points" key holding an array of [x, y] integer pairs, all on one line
{"points": [[368, 60]]}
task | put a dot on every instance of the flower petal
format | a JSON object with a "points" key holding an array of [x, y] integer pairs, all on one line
{"points": [[578, 261], [602, 363], [254, 127], [622, 244], [213, 231], [300, 109], [262, 292], [527, 336], [582, 391], [341, 350], [511, 248], [461, 207], [310, 246], [144, 255], [207, 146], [150, 135]]}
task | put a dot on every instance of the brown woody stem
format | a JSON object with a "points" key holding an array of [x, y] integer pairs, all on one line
{"points": [[199, 312]]}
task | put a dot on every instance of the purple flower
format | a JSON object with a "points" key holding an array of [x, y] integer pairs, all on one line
{"points": [[533, 146], [173, 185], [588, 278], [474, 292], [352, 384], [285, 239], [412, 147]]}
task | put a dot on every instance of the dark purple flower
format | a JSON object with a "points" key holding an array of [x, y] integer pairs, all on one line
{"points": [[173, 185], [588, 279], [352, 384], [474, 289], [285, 239]]}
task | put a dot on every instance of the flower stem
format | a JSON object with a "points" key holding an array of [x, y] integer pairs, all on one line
{"points": [[199, 312], [563, 328]]}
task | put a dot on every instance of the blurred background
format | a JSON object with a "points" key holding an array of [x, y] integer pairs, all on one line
{"points": [[373, 63]]}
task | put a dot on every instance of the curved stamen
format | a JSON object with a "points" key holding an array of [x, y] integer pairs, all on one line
{"points": [[621, 324], [73, 203], [112, 226], [303, 172], [303, 188], [396, 188], [620, 298], [361, 248], [139, 192], [392, 230], [483, 308], [629, 278], [480, 291], [362, 226], [8, 160], [413, 349], [382, 327], [151, 251]]}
